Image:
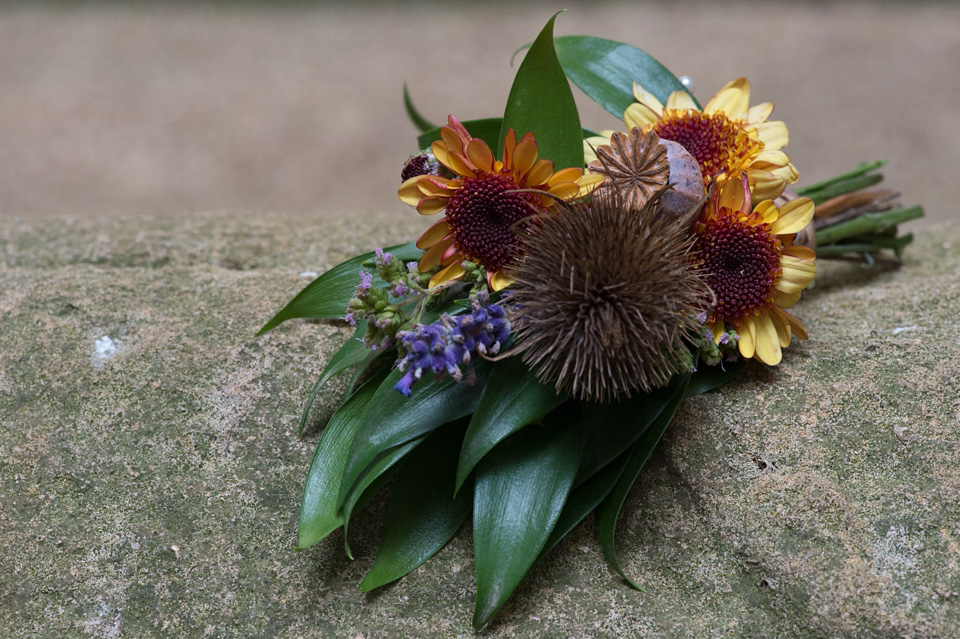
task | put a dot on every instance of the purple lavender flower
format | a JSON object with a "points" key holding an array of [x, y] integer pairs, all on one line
{"points": [[430, 350], [366, 281], [441, 347]]}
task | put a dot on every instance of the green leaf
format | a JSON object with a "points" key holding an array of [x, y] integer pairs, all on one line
{"points": [[319, 513], [423, 513], [418, 120], [512, 399], [352, 352], [707, 378], [487, 129], [392, 419], [541, 102], [584, 499], [327, 296], [606, 70], [371, 480], [520, 490], [609, 509], [611, 428]]}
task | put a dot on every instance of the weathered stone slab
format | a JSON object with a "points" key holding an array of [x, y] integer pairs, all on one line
{"points": [[150, 482]]}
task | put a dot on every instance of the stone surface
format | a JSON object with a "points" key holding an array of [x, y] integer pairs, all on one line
{"points": [[150, 482]]}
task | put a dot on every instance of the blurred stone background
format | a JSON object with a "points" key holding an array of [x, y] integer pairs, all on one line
{"points": [[137, 109]]}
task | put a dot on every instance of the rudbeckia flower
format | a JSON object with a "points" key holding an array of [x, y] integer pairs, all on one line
{"points": [[753, 268], [486, 202], [728, 137]]}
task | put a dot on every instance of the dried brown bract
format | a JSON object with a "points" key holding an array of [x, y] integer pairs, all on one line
{"points": [[635, 165]]}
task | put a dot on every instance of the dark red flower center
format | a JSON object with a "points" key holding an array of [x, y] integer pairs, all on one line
{"points": [[481, 215], [719, 144], [742, 264]]}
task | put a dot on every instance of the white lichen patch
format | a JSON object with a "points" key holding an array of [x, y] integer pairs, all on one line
{"points": [[104, 348]]}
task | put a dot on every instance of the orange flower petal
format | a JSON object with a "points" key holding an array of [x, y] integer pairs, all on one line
{"points": [[431, 259], [499, 280], [452, 272], [461, 165], [438, 231], [431, 205], [524, 156], [480, 154], [409, 192], [541, 172]]}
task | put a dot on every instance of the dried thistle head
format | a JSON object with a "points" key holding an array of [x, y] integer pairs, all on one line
{"points": [[635, 165], [606, 297]]}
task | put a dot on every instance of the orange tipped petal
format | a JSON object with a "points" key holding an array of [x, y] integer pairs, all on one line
{"points": [[540, 173], [452, 272], [431, 205], [525, 155], [434, 234], [431, 259], [480, 154]]}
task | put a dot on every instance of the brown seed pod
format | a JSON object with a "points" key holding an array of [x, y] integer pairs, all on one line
{"points": [[605, 298]]}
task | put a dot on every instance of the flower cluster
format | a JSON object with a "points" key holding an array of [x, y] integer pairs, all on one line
{"points": [[382, 306], [442, 347]]}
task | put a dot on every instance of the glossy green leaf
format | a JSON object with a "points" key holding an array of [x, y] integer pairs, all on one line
{"points": [[418, 120], [609, 510], [487, 129], [707, 378], [423, 513], [370, 480], [392, 419], [320, 510], [541, 102], [512, 399], [613, 427], [327, 296], [520, 491], [352, 353], [606, 70], [584, 499]]}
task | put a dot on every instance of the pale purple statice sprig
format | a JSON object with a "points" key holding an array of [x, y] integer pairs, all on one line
{"points": [[442, 347], [382, 306]]}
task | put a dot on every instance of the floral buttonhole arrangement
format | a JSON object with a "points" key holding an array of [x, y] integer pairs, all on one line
{"points": [[520, 361]]}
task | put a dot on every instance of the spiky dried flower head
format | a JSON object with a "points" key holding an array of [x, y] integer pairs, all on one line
{"points": [[606, 297]]}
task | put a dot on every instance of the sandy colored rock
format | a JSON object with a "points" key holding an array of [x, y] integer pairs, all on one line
{"points": [[150, 482]]}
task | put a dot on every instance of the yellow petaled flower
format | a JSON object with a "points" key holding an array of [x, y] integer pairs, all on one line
{"points": [[753, 268], [728, 137], [487, 202]]}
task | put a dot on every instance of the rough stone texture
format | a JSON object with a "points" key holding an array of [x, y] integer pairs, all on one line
{"points": [[153, 492]]}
